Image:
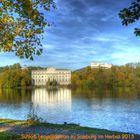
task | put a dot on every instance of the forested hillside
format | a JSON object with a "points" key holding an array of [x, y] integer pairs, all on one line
{"points": [[117, 76], [14, 76]]}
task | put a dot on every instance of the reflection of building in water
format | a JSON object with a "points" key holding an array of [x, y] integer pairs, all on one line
{"points": [[58, 99], [41, 77]]}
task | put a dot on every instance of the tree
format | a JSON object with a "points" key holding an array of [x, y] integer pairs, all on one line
{"points": [[99, 77], [14, 77], [130, 15], [22, 23]]}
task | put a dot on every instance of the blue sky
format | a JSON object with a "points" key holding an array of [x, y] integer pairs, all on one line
{"points": [[84, 31]]}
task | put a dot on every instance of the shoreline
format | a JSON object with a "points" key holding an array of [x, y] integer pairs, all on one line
{"points": [[15, 128], [70, 87]]}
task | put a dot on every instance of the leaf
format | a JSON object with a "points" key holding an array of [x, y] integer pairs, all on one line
{"points": [[25, 29]]}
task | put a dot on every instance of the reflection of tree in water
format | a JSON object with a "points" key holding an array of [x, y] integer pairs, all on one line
{"points": [[15, 96], [52, 90], [102, 93]]}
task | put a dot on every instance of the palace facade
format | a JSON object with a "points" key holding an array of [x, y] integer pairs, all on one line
{"points": [[41, 77]]}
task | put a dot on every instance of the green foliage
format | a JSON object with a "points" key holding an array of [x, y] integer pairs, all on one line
{"points": [[123, 76], [131, 14], [22, 23], [52, 83], [14, 76], [6, 136]]}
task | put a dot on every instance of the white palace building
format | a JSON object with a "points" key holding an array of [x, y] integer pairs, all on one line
{"points": [[100, 65], [41, 77]]}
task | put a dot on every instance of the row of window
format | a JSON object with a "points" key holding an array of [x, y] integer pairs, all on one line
{"points": [[51, 76], [49, 73], [58, 80]]}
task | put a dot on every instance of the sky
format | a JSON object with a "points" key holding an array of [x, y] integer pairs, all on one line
{"points": [[84, 31]]}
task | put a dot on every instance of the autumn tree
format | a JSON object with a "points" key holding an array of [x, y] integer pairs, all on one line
{"points": [[117, 76], [22, 23], [14, 76]]}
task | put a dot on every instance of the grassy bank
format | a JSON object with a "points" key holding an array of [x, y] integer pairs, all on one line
{"points": [[64, 129]]}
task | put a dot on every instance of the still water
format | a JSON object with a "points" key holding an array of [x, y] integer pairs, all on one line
{"points": [[107, 109]]}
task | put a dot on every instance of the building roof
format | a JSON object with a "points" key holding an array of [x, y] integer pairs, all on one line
{"points": [[51, 68]]}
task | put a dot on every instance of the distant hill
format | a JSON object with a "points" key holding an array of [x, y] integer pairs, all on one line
{"points": [[81, 69]]}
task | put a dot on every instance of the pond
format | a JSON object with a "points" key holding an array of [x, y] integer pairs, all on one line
{"points": [[117, 109]]}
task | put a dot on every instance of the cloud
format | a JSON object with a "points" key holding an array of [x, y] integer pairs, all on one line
{"points": [[125, 53]]}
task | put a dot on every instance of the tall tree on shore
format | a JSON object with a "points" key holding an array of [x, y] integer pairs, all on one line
{"points": [[131, 14], [22, 23]]}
